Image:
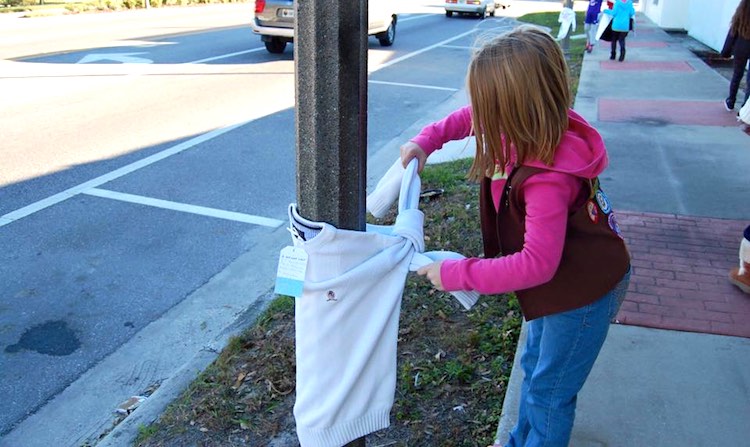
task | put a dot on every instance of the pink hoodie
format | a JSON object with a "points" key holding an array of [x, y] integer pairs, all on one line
{"points": [[549, 196]]}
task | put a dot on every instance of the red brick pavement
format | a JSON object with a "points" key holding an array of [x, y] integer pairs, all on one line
{"points": [[695, 113], [647, 44], [679, 279], [665, 66]]}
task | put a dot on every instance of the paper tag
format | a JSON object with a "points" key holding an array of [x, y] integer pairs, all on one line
{"points": [[290, 276]]}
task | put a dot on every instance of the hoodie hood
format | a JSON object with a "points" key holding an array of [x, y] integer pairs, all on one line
{"points": [[581, 152]]}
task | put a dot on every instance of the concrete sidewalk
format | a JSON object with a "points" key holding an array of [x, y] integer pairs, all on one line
{"points": [[676, 370]]}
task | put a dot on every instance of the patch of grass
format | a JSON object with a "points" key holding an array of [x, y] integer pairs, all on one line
{"points": [[576, 46], [41, 9], [453, 365], [145, 432], [33, 8], [250, 380]]}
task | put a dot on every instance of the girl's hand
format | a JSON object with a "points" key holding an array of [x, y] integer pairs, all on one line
{"points": [[432, 272], [412, 150]]}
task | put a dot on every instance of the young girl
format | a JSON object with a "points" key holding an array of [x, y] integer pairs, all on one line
{"points": [[591, 22], [549, 232], [737, 44], [621, 14]]}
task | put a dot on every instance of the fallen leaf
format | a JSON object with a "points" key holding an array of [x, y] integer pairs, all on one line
{"points": [[240, 377], [130, 405]]}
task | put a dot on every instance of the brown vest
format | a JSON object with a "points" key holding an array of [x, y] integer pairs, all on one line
{"points": [[594, 257]]}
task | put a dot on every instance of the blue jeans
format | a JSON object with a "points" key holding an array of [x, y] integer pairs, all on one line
{"points": [[740, 62], [559, 354]]}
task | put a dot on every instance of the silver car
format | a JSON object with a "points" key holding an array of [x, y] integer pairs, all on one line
{"points": [[481, 8], [274, 22]]}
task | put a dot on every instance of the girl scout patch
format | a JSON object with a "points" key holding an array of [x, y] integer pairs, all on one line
{"points": [[613, 225], [603, 202], [593, 211]]}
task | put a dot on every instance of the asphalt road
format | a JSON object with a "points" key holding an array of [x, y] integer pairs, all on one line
{"points": [[147, 164]]}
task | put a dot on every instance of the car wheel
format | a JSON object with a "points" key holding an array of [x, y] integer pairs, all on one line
{"points": [[483, 14], [386, 38], [492, 13], [275, 46], [449, 13]]}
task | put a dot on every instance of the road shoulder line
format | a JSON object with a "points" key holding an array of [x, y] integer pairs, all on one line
{"points": [[184, 207]]}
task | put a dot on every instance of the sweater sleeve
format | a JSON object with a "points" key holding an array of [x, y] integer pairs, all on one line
{"points": [[548, 197], [455, 126]]}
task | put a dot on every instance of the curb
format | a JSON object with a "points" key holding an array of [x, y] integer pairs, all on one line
{"points": [[509, 413], [125, 432]]}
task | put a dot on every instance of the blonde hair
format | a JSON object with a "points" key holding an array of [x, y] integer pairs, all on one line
{"points": [[518, 83]]}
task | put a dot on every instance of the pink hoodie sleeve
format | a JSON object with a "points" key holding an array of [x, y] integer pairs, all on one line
{"points": [[548, 198], [455, 126]]}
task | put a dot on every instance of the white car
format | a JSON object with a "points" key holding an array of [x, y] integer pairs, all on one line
{"points": [[481, 8], [274, 22]]}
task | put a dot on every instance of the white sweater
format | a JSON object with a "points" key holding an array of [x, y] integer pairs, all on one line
{"points": [[347, 320]]}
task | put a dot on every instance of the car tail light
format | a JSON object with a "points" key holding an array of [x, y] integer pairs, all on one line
{"points": [[260, 5], [450, 1]]}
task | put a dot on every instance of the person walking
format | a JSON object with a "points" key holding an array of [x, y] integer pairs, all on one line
{"points": [[590, 23], [537, 162], [737, 44], [740, 276], [622, 13]]}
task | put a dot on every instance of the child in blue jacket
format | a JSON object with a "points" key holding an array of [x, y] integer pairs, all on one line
{"points": [[621, 14]]}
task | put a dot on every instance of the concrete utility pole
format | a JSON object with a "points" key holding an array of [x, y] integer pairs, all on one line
{"points": [[330, 57]]}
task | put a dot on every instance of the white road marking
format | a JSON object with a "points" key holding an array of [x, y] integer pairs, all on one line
{"points": [[224, 56], [254, 50], [414, 17], [123, 58], [184, 207], [117, 173], [91, 184], [402, 84], [460, 47], [423, 50]]}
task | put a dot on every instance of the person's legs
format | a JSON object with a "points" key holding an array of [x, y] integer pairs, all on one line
{"points": [[747, 83], [569, 345], [613, 47], [529, 360], [590, 30], [622, 37], [734, 83], [740, 276]]}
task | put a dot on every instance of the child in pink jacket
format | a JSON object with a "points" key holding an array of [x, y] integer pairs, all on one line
{"points": [[549, 232]]}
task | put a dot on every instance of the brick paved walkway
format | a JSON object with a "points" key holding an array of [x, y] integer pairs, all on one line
{"points": [[691, 113], [680, 268]]}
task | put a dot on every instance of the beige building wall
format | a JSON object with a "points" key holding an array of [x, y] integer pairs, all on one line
{"points": [[705, 20]]}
